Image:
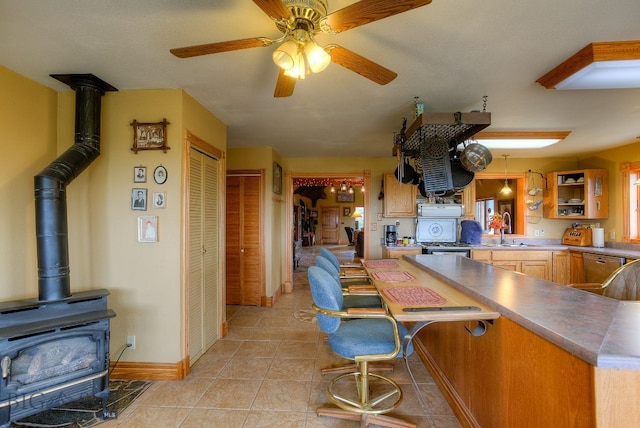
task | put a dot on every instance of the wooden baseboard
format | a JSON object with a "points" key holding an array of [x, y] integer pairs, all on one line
{"points": [[461, 411], [150, 371]]}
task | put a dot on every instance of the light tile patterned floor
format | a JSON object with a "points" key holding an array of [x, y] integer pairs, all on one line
{"points": [[266, 373]]}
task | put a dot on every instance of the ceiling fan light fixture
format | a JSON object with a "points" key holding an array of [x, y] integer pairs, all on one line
{"points": [[317, 57], [285, 56]]}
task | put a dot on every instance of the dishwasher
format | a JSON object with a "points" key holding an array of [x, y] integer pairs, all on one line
{"points": [[597, 267]]}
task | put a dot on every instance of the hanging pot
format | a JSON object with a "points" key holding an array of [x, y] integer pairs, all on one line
{"points": [[475, 157], [461, 176], [408, 173]]}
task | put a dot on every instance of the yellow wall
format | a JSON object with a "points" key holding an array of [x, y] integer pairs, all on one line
{"points": [[28, 144], [36, 125]]}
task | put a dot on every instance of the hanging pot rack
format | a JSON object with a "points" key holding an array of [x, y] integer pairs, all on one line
{"points": [[455, 128]]}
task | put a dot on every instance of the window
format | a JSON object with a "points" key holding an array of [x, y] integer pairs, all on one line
{"points": [[631, 195]]}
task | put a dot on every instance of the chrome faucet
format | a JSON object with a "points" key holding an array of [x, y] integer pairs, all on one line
{"points": [[504, 222]]}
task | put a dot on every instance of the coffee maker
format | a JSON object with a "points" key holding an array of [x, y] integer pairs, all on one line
{"points": [[390, 234]]}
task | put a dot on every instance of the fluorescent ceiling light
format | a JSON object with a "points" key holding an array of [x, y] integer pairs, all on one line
{"points": [[519, 140], [601, 65]]}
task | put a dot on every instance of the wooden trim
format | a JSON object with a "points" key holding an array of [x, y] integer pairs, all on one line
{"points": [[593, 52], [150, 371], [288, 188], [519, 197]]}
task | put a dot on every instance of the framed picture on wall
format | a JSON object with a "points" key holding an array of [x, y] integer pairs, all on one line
{"points": [[346, 212], [140, 174], [345, 196], [150, 136], [148, 228], [139, 199]]}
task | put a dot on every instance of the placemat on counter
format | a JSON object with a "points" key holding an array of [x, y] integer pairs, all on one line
{"points": [[413, 296], [393, 276], [381, 264]]}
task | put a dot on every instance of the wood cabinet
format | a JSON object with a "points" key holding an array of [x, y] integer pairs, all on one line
{"points": [[579, 194], [399, 198], [561, 270], [396, 253], [536, 263], [576, 267], [507, 377]]}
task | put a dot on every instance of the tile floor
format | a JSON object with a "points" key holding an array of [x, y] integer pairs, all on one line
{"points": [[266, 373]]}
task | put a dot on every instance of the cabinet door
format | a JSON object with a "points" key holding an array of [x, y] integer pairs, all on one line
{"points": [[536, 268], [561, 272], [577, 268], [399, 198]]}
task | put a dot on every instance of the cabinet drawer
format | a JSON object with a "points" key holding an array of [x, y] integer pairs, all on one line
{"points": [[520, 255]]}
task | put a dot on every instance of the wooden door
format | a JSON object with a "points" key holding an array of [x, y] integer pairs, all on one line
{"points": [[204, 263], [330, 225], [244, 264]]}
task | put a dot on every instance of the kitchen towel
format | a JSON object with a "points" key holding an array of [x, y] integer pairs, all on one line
{"points": [[471, 232]]}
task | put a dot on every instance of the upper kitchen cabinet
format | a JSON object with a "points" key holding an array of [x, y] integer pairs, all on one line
{"points": [[580, 194], [399, 198]]}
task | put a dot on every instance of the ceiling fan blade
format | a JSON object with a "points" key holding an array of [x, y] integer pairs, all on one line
{"points": [[212, 48], [284, 85], [273, 8], [366, 11], [361, 65]]}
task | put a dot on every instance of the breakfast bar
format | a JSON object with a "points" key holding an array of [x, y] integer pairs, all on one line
{"points": [[556, 356]]}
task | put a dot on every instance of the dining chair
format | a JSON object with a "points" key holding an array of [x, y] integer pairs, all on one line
{"points": [[346, 270], [362, 335], [345, 282]]}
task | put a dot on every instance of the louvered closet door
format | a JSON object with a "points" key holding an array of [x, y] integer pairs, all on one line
{"points": [[245, 258], [203, 253]]}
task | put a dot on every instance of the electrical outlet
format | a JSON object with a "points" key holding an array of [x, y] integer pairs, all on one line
{"points": [[131, 342], [541, 232], [612, 236], [537, 232], [373, 227]]}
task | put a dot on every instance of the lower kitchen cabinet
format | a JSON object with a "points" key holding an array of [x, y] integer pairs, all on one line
{"points": [[396, 253], [561, 267], [536, 263]]}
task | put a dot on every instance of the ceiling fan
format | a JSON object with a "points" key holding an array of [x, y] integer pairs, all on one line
{"points": [[299, 21]]}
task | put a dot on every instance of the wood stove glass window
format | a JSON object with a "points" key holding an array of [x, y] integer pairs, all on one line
{"points": [[53, 359]]}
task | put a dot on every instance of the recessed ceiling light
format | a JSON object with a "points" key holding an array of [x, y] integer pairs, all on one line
{"points": [[600, 65], [519, 140]]}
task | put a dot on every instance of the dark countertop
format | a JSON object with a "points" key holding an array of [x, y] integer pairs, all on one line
{"points": [[629, 251], [601, 331]]}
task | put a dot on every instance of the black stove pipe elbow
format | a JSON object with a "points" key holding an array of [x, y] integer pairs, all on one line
{"points": [[50, 187]]}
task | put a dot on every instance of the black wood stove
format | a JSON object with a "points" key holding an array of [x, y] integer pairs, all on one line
{"points": [[55, 349]]}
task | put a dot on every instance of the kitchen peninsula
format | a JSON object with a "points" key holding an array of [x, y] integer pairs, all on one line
{"points": [[557, 356]]}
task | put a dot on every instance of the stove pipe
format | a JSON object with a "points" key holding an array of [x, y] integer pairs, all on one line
{"points": [[52, 242]]}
